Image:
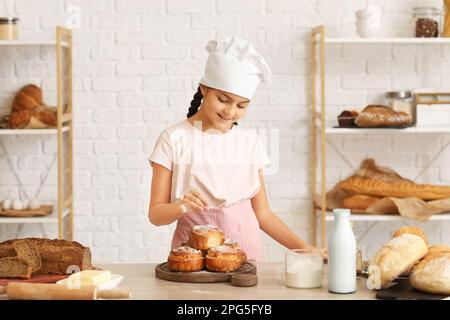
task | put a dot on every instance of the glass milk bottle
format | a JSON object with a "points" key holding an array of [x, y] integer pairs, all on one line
{"points": [[342, 255]]}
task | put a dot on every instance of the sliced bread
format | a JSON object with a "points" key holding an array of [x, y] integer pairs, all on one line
{"points": [[13, 267], [27, 251]]}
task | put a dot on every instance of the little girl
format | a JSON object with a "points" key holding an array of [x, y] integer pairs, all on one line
{"points": [[206, 170]]}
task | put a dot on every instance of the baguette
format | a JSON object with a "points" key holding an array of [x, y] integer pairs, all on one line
{"points": [[394, 189], [359, 202]]}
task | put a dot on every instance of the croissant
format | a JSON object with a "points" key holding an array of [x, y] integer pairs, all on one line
{"points": [[395, 189]]}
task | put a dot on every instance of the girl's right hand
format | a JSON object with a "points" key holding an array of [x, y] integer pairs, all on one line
{"points": [[193, 201]]}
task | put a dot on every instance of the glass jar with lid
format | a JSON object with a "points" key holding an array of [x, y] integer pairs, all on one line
{"points": [[400, 101], [427, 22], [8, 28]]}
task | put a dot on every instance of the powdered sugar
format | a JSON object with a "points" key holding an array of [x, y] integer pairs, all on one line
{"points": [[229, 242], [223, 249], [186, 249]]}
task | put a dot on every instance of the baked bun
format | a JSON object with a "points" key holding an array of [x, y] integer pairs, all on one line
{"points": [[437, 248], [224, 259], [186, 259], [411, 230], [359, 202], [206, 237], [398, 256], [432, 274], [231, 243]]}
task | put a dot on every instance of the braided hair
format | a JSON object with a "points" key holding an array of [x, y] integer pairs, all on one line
{"points": [[195, 104]]}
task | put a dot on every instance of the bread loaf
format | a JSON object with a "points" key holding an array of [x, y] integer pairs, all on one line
{"points": [[13, 267], [398, 256], [432, 274], [58, 256], [27, 252], [394, 189], [411, 230], [359, 202], [381, 116]]}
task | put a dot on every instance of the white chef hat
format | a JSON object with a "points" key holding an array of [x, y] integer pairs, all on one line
{"points": [[235, 66]]}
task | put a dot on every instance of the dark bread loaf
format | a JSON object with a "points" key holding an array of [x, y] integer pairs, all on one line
{"points": [[28, 252], [58, 256], [13, 267]]}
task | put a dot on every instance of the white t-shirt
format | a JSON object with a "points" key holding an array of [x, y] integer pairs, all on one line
{"points": [[222, 166]]}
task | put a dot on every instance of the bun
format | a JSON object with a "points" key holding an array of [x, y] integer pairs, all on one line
{"points": [[382, 116], [224, 259], [232, 244], [380, 188], [432, 274], [206, 237], [398, 256], [359, 202], [411, 230], [185, 259]]}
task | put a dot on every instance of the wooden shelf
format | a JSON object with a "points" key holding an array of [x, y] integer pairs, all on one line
{"points": [[430, 129], [31, 131], [32, 43], [387, 40], [386, 217], [52, 218]]}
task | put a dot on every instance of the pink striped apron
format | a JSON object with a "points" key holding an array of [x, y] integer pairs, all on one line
{"points": [[238, 222]]}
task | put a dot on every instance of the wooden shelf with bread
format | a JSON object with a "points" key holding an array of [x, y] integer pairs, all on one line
{"points": [[369, 203], [39, 120]]}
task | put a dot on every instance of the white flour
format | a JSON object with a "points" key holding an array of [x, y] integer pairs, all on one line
{"points": [[304, 273]]}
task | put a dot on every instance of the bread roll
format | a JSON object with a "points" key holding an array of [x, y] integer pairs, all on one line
{"points": [[380, 188], [398, 256], [359, 202], [432, 274], [411, 230]]}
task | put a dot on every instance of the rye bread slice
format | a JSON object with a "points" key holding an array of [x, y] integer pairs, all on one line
{"points": [[28, 252], [13, 267]]}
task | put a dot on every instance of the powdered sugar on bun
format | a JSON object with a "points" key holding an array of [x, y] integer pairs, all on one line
{"points": [[186, 249], [229, 242], [223, 249]]}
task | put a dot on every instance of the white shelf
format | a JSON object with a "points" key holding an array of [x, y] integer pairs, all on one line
{"points": [[31, 131], [385, 217], [52, 218], [31, 43], [329, 130], [387, 40]]}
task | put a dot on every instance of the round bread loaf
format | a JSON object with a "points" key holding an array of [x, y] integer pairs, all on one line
{"points": [[411, 230], [398, 256], [432, 274]]}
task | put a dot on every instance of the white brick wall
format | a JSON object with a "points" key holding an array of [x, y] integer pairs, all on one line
{"points": [[137, 64]]}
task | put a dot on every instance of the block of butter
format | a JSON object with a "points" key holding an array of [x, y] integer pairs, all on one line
{"points": [[90, 277]]}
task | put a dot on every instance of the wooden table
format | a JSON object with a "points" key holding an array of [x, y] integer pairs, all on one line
{"points": [[141, 281]]}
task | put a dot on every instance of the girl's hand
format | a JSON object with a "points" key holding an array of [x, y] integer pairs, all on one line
{"points": [[323, 251], [193, 201]]}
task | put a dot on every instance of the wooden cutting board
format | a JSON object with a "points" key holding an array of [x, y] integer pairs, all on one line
{"points": [[162, 271], [402, 290], [35, 279]]}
